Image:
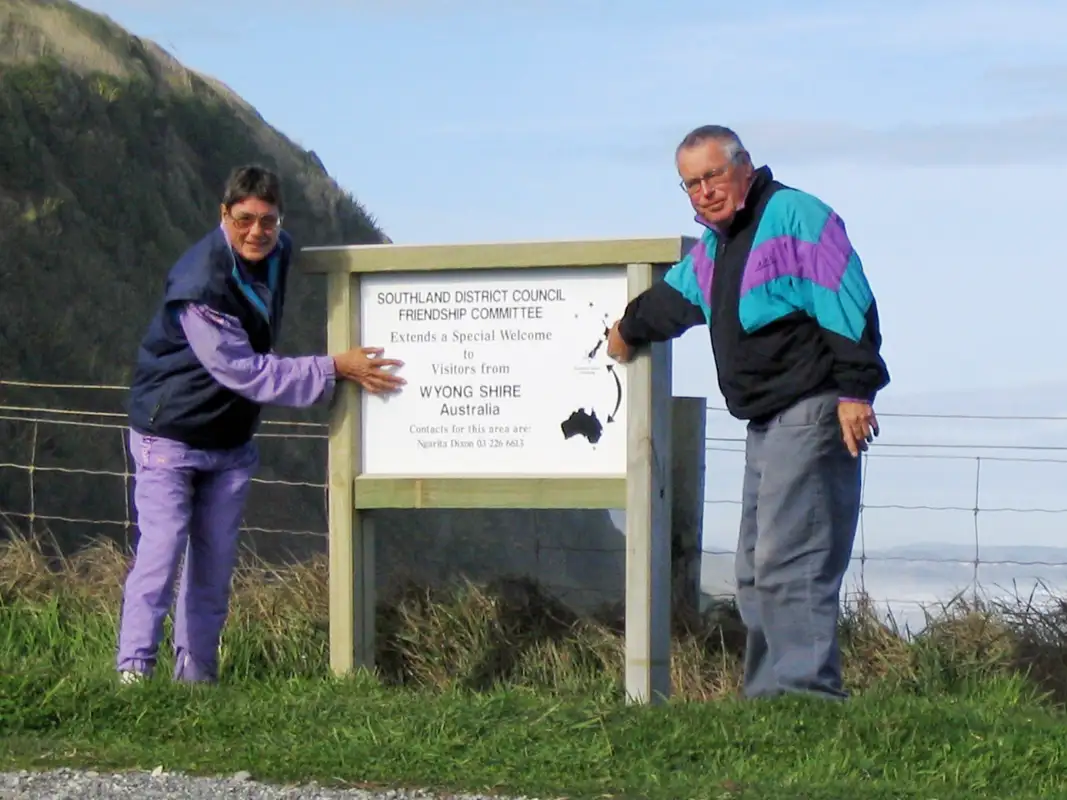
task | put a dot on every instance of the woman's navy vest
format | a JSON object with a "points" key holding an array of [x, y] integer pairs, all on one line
{"points": [[173, 396]]}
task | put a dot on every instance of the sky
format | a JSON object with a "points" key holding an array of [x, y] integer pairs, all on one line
{"points": [[937, 130], [925, 125]]}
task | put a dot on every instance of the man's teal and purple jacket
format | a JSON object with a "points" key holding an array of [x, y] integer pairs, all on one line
{"points": [[784, 294]]}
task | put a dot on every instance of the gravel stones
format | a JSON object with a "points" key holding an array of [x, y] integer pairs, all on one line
{"points": [[64, 784]]}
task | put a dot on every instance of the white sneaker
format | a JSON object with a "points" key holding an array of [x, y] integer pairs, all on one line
{"points": [[128, 677]]}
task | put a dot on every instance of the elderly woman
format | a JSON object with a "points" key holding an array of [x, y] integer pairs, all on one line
{"points": [[204, 370]]}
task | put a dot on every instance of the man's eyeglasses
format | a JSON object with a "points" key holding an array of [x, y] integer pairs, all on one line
{"points": [[244, 222], [713, 177]]}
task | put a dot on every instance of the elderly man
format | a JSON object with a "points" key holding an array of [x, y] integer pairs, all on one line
{"points": [[205, 367], [795, 336]]}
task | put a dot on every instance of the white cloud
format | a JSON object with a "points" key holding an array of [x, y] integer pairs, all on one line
{"points": [[970, 24], [1048, 76], [1029, 140], [379, 8], [1017, 141], [829, 31], [1020, 141]]}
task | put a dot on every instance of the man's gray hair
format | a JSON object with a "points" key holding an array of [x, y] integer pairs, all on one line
{"points": [[731, 143]]}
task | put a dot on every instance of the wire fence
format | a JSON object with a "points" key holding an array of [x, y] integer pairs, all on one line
{"points": [[948, 509], [560, 551], [33, 418]]}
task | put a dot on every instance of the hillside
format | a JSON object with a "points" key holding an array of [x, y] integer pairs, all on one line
{"points": [[112, 161]]}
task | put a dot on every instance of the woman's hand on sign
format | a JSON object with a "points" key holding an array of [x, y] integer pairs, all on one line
{"points": [[617, 347], [365, 366]]}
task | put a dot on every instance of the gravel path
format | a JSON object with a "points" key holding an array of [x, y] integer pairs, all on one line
{"points": [[67, 783]]}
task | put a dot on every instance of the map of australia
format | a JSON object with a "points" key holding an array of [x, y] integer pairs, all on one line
{"points": [[583, 423], [594, 361]]}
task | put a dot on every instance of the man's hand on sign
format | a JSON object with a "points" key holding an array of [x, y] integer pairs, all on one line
{"points": [[365, 366], [617, 347], [859, 425]]}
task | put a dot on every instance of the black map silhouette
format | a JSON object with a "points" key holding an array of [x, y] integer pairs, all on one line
{"points": [[586, 423], [582, 423]]}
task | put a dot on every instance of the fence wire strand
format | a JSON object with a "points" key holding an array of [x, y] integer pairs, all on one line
{"points": [[981, 455]]}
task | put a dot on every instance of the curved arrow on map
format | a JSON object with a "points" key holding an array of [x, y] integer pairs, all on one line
{"points": [[618, 393]]}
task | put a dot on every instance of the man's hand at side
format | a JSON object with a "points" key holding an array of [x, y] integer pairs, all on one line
{"points": [[859, 425], [365, 366], [617, 347]]}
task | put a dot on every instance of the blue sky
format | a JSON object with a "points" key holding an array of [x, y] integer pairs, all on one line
{"points": [[927, 125], [938, 130]]}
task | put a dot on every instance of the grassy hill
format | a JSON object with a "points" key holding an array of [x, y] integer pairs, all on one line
{"points": [[112, 161]]}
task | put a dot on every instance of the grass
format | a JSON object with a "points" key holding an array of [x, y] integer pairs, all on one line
{"points": [[498, 689]]}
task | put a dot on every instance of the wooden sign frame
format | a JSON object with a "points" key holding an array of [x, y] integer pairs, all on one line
{"points": [[644, 492]]}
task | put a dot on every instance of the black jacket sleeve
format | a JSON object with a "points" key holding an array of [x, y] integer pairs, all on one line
{"points": [[659, 313], [859, 369]]}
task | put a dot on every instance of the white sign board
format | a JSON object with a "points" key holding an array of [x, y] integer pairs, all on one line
{"points": [[506, 373]]}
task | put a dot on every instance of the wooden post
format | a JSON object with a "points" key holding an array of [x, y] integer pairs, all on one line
{"points": [[648, 515], [351, 546], [689, 423]]}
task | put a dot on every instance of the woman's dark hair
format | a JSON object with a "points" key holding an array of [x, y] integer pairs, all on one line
{"points": [[252, 180]]}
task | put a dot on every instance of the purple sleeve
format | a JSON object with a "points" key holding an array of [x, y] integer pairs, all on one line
{"points": [[222, 346]]}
